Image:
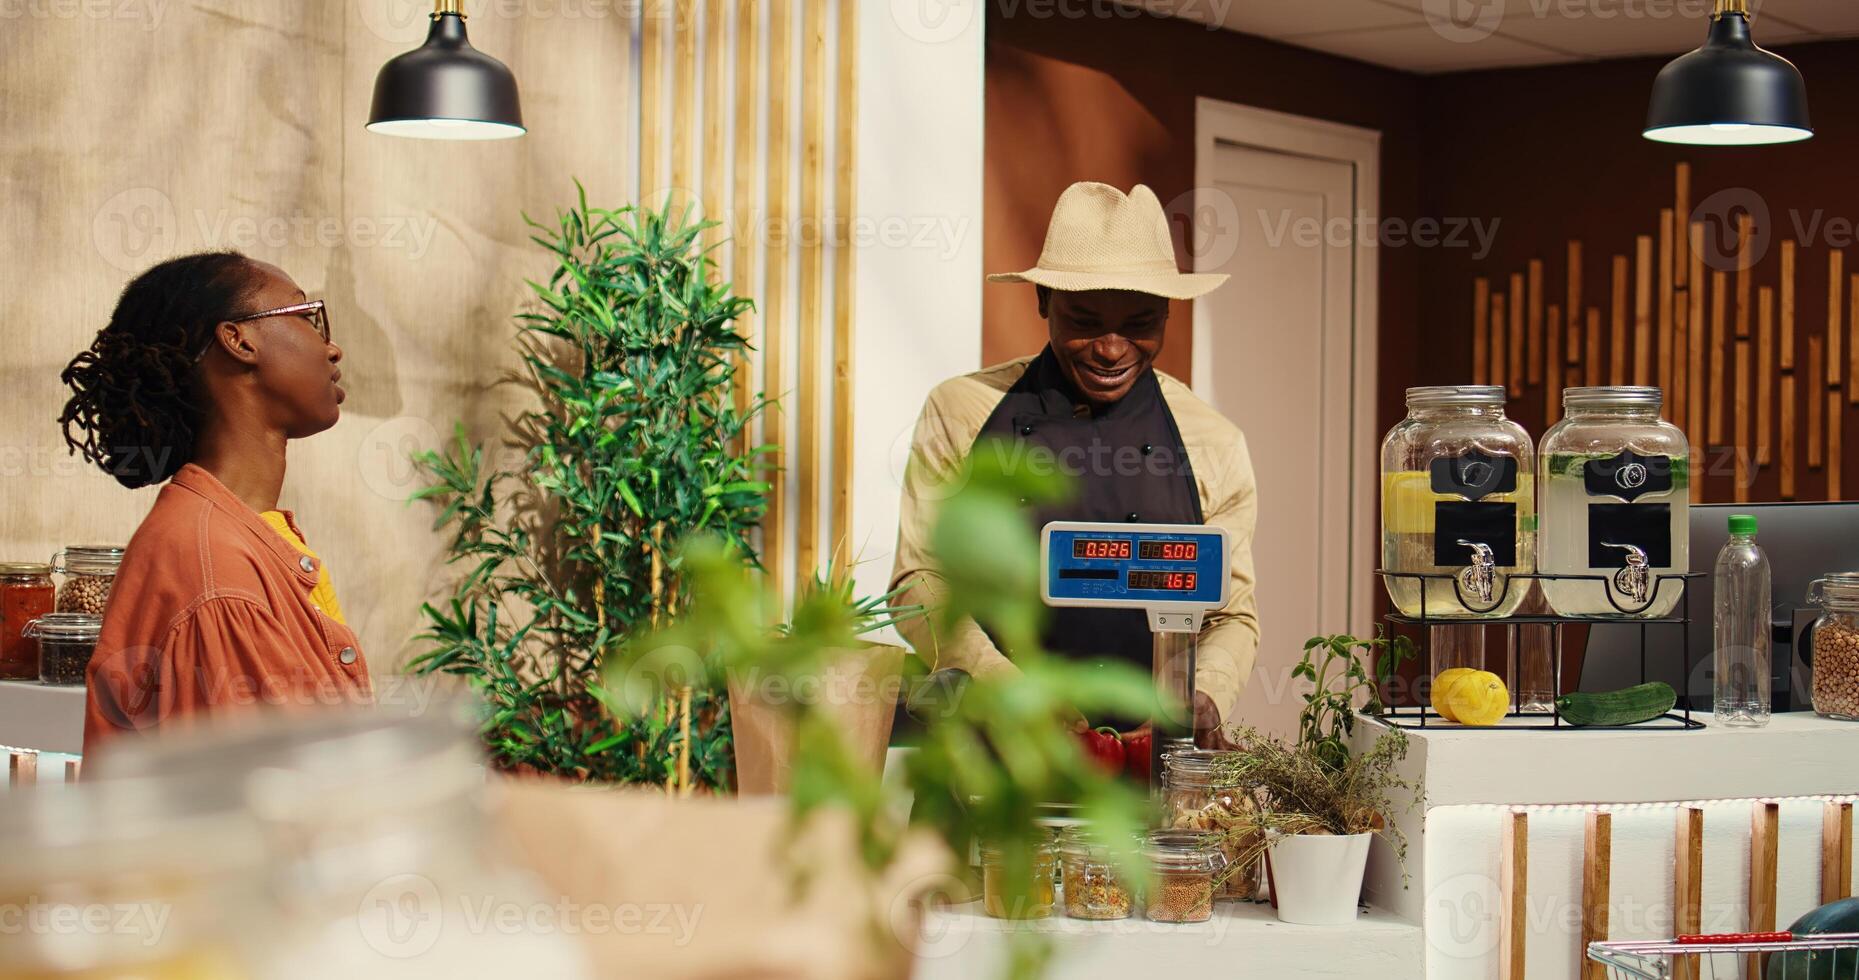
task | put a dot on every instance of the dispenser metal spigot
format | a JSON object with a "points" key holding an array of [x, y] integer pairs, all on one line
{"points": [[1635, 580], [1480, 577]]}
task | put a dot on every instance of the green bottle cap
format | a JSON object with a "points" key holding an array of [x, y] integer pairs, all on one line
{"points": [[1742, 524]]}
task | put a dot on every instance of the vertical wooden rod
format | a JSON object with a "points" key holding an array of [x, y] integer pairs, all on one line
{"points": [[1836, 852], [845, 254], [812, 254], [1481, 323], [1500, 330], [1681, 210], [1595, 351], [1765, 375], [746, 203], [1699, 394], [1719, 289], [1596, 888], [1642, 312], [1553, 369], [1688, 885], [22, 770], [1514, 895], [1665, 303], [1740, 427], [1764, 852], [1787, 305], [1519, 299], [1816, 400], [775, 319], [1534, 360], [1617, 362]]}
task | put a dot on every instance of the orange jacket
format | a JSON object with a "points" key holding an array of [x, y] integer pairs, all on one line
{"points": [[211, 611]]}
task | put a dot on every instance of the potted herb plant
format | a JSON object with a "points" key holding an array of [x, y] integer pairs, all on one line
{"points": [[567, 543], [1319, 804]]}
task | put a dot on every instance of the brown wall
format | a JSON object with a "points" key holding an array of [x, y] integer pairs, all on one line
{"points": [[1112, 99], [1555, 153]]}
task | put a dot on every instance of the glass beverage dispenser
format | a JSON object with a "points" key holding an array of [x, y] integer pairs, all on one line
{"points": [[1616, 482], [1457, 501]]}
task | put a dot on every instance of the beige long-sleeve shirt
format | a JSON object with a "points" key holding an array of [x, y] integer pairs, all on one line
{"points": [[952, 419]]}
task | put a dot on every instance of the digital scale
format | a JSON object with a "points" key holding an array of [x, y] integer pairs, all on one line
{"points": [[1174, 573]]}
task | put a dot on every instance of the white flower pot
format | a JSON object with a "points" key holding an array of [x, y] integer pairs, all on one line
{"points": [[1317, 879]]}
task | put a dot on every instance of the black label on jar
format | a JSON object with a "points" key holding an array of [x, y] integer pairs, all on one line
{"points": [[1494, 525], [1628, 475], [1475, 475], [1647, 527]]}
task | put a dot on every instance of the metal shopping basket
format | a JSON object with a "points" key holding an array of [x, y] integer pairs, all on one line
{"points": [[1830, 956]]}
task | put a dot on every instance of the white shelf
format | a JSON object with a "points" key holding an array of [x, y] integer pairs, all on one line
{"points": [[1242, 940], [1792, 756], [41, 716]]}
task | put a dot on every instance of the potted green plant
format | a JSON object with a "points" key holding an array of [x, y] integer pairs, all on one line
{"points": [[568, 547], [855, 687], [1319, 804]]}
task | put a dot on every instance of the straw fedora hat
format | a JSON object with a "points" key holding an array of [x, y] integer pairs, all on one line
{"points": [[1101, 238]]}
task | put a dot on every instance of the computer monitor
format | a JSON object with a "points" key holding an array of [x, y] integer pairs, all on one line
{"points": [[1804, 541]]}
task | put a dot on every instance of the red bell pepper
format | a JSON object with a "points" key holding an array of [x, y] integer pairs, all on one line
{"points": [[1136, 749], [1104, 748]]}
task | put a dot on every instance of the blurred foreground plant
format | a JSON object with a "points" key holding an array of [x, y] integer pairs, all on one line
{"points": [[989, 759]]}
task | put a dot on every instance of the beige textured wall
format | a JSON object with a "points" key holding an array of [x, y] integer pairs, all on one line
{"points": [[140, 129]]}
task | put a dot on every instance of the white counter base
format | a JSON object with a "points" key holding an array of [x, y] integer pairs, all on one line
{"points": [[1242, 940], [41, 717]]}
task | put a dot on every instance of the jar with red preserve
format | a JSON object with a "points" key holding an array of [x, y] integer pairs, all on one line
{"points": [[25, 594]]}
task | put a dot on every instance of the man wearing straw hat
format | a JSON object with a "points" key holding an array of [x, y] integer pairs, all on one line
{"points": [[1143, 448]]}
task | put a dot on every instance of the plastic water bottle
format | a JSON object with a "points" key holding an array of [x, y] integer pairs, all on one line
{"points": [[1743, 639]]}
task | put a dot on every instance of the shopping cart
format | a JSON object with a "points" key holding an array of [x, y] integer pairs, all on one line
{"points": [[1830, 956]]}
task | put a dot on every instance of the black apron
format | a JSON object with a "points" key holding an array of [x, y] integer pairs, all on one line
{"points": [[1129, 466]]}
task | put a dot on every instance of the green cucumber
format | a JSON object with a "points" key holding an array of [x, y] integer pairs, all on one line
{"points": [[1624, 707]]}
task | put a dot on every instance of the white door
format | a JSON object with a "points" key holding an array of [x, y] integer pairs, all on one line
{"points": [[1277, 359]]}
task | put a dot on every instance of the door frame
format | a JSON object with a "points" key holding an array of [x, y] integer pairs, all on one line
{"points": [[1218, 122]]}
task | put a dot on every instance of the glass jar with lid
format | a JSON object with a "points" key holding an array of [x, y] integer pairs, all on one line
{"points": [[1187, 866], [1835, 645], [25, 595], [1024, 894], [150, 879], [1616, 491], [89, 571], [1200, 797], [1457, 501], [1092, 885], [66, 643]]}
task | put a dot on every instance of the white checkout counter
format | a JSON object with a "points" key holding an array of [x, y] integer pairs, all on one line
{"points": [[41, 717], [1443, 922]]}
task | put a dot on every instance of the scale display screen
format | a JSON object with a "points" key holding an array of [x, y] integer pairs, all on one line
{"points": [[1134, 566]]}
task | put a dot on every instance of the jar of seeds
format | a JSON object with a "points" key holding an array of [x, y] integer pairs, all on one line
{"points": [[66, 642], [89, 571], [1025, 894], [1836, 645], [1187, 864], [1093, 888], [1200, 796]]}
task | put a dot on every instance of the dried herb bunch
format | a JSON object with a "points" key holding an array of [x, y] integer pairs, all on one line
{"points": [[569, 547], [1299, 792]]}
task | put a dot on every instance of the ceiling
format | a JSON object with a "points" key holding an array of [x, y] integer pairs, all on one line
{"points": [[1434, 36]]}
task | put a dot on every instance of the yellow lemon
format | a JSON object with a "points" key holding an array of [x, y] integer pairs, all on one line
{"points": [[1441, 681], [1478, 698]]}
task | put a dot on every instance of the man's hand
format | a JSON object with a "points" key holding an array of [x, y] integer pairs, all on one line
{"points": [[1208, 733]]}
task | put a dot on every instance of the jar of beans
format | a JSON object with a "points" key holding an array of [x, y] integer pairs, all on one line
{"points": [[89, 571], [1835, 645], [1186, 864], [25, 595], [66, 642]]}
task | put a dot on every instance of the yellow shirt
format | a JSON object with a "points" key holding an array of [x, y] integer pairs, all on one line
{"points": [[323, 596], [953, 417]]}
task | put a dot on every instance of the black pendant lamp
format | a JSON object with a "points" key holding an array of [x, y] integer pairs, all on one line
{"points": [[446, 89], [1729, 92]]}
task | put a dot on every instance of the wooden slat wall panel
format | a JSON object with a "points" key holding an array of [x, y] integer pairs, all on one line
{"points": [[1688, 885], [775, 321], [1617, 358], [684, 95], [1699, 395], [1500, 329], [1744, 455], [1534, 324], [1666, 300], [1836, 307], [1764, 855], [1481, 324], [1765, 371], [845, 204], [746, 197], [1816, 399], [1679, 395], [1596, 889], [1719, 287], [1518, 298], [812, 253], [1514, 896], [651, 85], [1836, 852], [1553, 369], [1642, 312], [1595, 352], [716, 129]]}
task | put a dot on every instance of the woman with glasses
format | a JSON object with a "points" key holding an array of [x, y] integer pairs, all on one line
{"points": [[210, 365]]}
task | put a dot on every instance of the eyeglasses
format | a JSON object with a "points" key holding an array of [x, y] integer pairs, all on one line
{"points": [[318, 316]]}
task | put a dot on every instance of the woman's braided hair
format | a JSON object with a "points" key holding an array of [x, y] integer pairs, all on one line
{"points": [[135, 406]]}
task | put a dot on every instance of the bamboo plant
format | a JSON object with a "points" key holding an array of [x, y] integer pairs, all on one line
{"points": [[634, 444]]}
